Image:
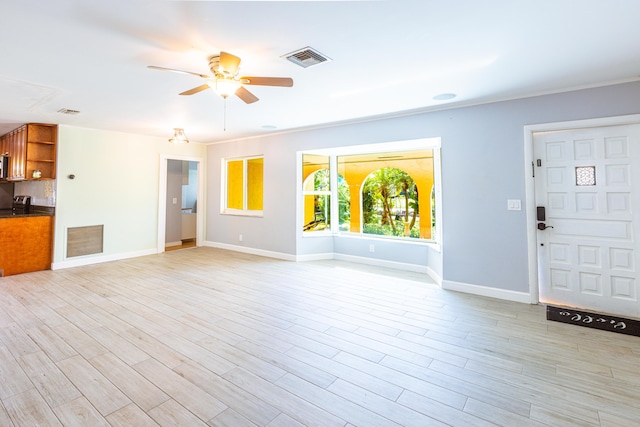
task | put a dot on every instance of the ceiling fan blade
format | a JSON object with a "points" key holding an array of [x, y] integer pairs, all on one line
{"points": [[267, 81], [155, 67], [246, 96], [195, 89], [229, 63]]}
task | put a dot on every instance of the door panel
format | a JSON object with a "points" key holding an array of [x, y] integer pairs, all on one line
{"points": [[588, 181]]}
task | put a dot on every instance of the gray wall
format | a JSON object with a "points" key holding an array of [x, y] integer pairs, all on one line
{"points": [[190, 185], [482, 166], [173, 228]]}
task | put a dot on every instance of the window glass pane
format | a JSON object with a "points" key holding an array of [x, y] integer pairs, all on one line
{"points": [[235, 184], [383, 191], [321, 213], [254, 184], [344, 204], [312, 163], [586, 175], [316, 190]]}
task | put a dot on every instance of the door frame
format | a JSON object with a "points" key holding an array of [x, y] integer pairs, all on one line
{"points": [[530, 202], [162, 199]]}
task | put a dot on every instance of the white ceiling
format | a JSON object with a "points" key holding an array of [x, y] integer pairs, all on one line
{"points": [[388, 57]]}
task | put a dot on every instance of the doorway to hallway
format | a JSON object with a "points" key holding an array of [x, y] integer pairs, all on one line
{"points": [[180, 217]]}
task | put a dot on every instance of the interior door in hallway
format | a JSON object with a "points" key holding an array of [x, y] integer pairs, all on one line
{"points": [[587, 185]]}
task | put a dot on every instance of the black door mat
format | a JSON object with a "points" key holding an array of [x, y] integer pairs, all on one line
{"points": [[605, 322]]}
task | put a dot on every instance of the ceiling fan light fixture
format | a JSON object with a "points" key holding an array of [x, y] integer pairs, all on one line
{"points": [[226, 87], [179, 137], [225, 81]]}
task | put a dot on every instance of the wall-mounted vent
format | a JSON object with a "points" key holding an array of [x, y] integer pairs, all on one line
{"points": [[68, 111], [84, 240], [306, 57]]}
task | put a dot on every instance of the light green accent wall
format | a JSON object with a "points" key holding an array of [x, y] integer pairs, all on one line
{"points": [[116, 184]]}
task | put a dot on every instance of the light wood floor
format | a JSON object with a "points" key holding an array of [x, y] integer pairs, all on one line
{"points": [[209, 337], [186, 244]]}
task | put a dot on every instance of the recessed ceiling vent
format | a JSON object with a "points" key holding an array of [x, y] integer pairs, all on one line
{"points": [[68, 111], [306, 57]]}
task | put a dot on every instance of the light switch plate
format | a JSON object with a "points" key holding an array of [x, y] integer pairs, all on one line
{"points": [[514, 205]]}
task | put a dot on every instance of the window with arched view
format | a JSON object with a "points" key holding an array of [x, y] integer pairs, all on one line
{"points": [[388, 193]]}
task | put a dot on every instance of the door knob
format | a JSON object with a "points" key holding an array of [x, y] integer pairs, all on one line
{"points": [[542, 226]]}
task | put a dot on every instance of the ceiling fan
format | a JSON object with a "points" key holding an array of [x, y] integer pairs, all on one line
{"points": [[225, 80]]}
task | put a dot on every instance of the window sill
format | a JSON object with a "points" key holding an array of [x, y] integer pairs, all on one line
{"points": [[255, 214], [311, 234], [405, 241], [345, 235]]}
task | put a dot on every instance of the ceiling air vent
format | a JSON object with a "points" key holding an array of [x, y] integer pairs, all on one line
{"points": [[306, 57], [68, 111]]}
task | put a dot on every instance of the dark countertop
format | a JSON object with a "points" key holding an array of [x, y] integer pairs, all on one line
{"points": [[33, 211]]}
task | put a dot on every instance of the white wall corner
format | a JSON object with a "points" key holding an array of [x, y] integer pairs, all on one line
{"points": [[486, 291], [435, 276]]}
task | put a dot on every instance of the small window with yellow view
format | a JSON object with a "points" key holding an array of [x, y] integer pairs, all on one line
{"points": [[243, 186]]}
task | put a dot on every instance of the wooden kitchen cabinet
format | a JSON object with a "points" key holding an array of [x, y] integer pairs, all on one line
{"points": [[26, 244], [3, 144], [31, 147], [15, 144], [41, 150]]}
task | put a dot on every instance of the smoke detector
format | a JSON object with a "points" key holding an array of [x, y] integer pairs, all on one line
{"points": [[68, 111], [306, 57]]}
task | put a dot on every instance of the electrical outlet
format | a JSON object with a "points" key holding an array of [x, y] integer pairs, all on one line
{"points": [[372, 248], [175, 200], [240, 238]]}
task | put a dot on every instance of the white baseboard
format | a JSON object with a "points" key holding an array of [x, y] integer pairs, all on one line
{"points": [[314, 257], [503, 294], [97, 259], [170, 244], [382, 263], [486, 291], [252, 251], [319, 257]]}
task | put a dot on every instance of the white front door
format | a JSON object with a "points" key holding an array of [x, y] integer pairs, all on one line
{"points": [[587, 183]]}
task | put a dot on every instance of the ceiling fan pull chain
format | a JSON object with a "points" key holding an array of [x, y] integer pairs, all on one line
{"points": [[224, 124]]}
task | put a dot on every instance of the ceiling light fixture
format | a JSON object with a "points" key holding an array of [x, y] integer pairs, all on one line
{"points": [[444, 96], [179, 137], [68, 111], [225, 87]]}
